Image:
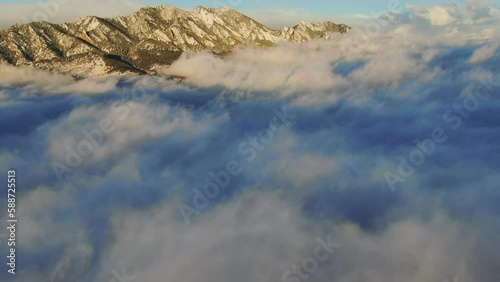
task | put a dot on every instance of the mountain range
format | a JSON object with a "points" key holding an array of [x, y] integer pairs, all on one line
{"points": [[145, 41]]}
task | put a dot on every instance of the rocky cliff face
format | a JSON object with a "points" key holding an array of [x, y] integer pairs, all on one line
{"points": [[151, 38]]}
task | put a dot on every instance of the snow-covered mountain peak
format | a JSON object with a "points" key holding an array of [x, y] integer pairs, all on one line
{"points": [[150, 38]]}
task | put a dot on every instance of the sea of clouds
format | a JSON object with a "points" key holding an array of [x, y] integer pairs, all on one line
{"points": [[384, 143]]}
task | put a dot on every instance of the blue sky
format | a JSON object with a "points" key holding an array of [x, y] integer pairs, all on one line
{"points": [[312, 6], [275, 14], [333, 7]]}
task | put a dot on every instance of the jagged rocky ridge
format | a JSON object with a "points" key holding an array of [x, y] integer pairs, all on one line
{"points": [[149, 39]]}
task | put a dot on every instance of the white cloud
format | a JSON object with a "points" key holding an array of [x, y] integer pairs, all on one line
{"points": [[285, 67], [32, 81], [112, 129], [258, 237], [439, 15], [252, 239], [40, 206], [27, 75], [484, 53]]}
